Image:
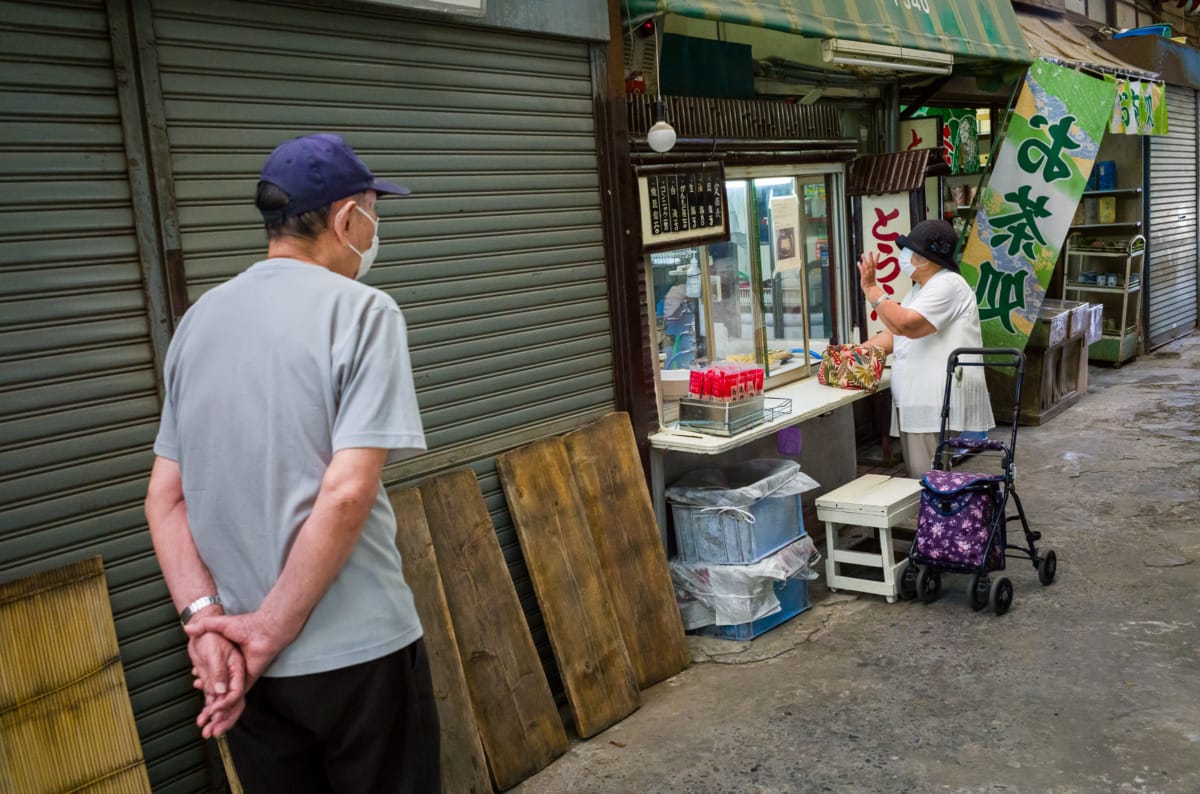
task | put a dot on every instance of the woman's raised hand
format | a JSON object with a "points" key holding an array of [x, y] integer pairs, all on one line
{"points": [[868, 263]]}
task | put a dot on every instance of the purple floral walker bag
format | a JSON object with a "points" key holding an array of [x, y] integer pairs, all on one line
{"points": [[956, 519]]}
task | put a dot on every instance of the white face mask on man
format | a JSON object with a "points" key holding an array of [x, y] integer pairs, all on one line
{"points": [[905, 260], [366, 258]]}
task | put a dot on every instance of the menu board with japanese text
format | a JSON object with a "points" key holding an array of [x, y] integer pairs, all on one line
{"points": [[682, 204]]}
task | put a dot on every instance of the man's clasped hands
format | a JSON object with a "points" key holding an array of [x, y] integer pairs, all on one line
{"points": [[229, 653]]}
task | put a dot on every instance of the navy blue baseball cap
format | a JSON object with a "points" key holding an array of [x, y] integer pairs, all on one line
{"points": [[317, 170]]}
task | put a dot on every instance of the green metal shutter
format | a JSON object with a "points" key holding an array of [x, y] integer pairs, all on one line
{"points": [[497, 259], [78, 387], [1174, 224]]}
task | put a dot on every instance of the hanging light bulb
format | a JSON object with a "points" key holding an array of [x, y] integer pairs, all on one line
{"points": [[661, 136]]}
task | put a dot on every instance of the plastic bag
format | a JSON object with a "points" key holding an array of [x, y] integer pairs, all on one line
{"points": [[739, 594], [741, 484], [695, 615]]}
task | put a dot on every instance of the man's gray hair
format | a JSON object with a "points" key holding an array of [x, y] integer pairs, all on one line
{"points": [[307, 225]]}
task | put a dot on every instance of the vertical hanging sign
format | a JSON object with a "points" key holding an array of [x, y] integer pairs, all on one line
{"points": [[1026, 209], [884, 218]]}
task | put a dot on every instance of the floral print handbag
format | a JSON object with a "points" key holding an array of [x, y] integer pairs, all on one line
{"points": [[852, 367]]}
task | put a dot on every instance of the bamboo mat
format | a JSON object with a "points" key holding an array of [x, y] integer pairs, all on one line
{"points": [[66, 723]]}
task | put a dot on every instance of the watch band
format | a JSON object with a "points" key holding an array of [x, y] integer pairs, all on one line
{"points": [[200, 603], [882, 298]]}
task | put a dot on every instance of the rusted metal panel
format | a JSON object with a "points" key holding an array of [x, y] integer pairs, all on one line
{"points": [[1177, 63], [762, 120], [894, 172], [1058, 38]]}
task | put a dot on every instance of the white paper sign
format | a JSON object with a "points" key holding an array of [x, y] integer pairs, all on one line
{"points": [[884, 218], [787, 235]]}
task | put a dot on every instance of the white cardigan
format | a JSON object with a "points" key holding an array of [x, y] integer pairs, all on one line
{"points": [[919, 365]]}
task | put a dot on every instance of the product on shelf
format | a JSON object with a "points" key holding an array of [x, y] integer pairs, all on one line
{"points": [[726, 381]]}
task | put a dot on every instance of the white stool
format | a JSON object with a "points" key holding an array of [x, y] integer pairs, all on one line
{"points": [[879, 503]]}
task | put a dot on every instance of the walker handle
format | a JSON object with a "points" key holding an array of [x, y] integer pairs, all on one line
{"points": [[1010, 358]]}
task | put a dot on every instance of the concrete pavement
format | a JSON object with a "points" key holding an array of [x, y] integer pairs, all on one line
{"points": [[1089, 685]]}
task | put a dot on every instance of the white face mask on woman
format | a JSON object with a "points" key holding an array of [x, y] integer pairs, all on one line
{"points": [[906, 265], [366, 258]]}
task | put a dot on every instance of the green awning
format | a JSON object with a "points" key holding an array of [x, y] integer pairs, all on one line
{"points": [[984, 29]]}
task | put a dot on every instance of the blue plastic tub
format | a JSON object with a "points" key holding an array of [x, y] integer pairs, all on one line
{"points": [[729, 536], [793, 599], [1148, 30]]}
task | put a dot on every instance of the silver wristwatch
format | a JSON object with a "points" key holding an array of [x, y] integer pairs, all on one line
{"points": [[881, 299], [200, 603]]}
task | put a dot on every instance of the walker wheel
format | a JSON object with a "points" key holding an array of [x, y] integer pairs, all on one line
{"points": [[1047, 566], [908, 582], [1001, 595], [929, 585], [978, 589]]}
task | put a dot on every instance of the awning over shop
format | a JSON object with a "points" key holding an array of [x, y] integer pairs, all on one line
{"points": [[1140, 107], [979, 29], [1057, 39]]}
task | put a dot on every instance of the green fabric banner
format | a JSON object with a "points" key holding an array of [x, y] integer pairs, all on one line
{"points": [[1140, 107], [1026, 209], [983, 29]]}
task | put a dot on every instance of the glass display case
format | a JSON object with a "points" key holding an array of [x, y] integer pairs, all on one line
{"points": [[768, 294]]}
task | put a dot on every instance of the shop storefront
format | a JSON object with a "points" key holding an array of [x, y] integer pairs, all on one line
{"points": [[1172, 220], [777, 284], [135, 132], [1091, 249]]}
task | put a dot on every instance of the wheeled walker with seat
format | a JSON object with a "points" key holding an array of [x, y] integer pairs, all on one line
{"points": [[963, 518]]}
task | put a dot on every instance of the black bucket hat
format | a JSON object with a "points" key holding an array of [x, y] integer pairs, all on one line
{"points": [[934, 240]]}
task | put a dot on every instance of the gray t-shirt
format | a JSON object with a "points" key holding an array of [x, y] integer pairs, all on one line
{"points": [[266, 377]]}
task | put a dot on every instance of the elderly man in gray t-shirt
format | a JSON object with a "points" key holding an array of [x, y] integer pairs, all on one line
{"points": [[288, 388]]}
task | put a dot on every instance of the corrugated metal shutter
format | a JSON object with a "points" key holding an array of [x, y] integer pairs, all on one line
{"points": [[77, 367], [1174, 225], [497, 259]]}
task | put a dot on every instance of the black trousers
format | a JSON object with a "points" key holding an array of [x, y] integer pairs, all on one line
{"points": [[372, 727]]}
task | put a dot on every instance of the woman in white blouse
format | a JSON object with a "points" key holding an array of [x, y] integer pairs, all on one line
{"points": [[938, 315]]}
